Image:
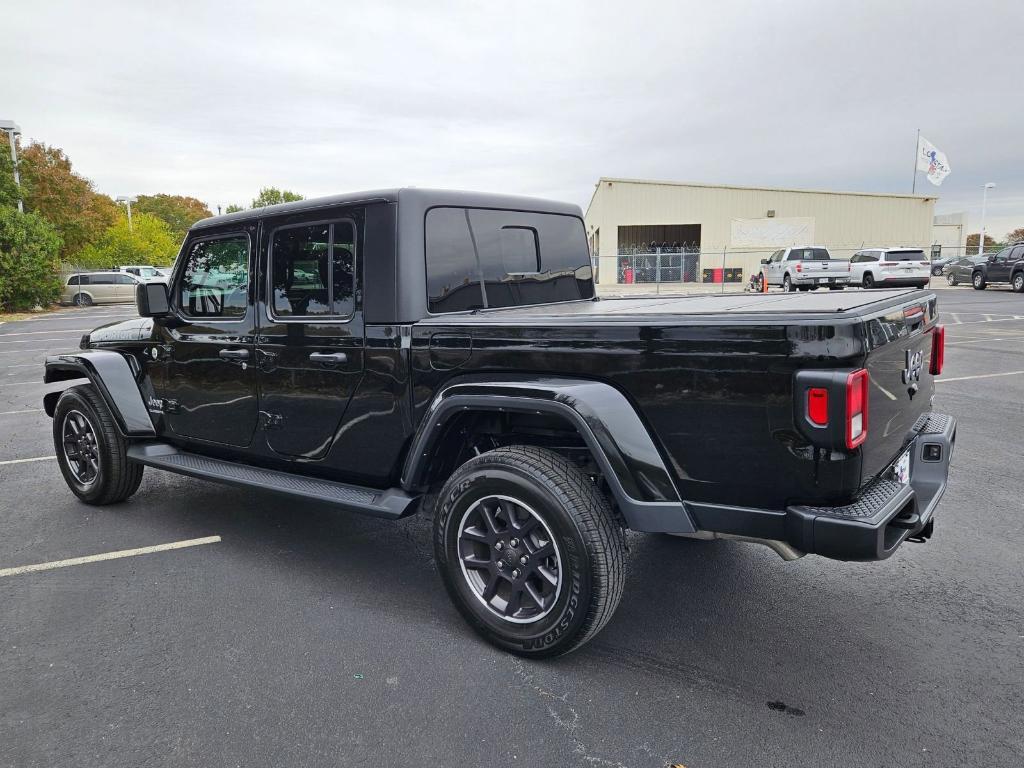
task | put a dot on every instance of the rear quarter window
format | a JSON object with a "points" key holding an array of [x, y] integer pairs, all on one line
{"points": [[477, 258], [905, 256]]}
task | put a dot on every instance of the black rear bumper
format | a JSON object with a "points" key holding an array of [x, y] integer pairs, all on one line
{"points": [[886, 514]]}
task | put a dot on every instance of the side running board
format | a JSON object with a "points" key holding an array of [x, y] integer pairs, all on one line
{"points": [[391, 503]]}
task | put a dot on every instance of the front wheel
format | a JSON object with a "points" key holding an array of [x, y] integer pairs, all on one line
{"points": [[952, 279], [1018, 282], [83, 300], [978, 281], [529, 550], [91, 453]]}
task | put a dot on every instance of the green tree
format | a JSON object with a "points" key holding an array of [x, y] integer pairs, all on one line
{"points": [[273, 196], [149, 241], [233, 208], [1016, 236], [176, 211], [68, 201], [29, 248]]}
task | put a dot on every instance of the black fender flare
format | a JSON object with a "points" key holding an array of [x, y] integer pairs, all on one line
{"points": [[608, 423], [112, 376]]}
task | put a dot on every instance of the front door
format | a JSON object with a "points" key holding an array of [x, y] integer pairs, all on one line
{"points": [[209, 340], [999, 268], [310, 344]]}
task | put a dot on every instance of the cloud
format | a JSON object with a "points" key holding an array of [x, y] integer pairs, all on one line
{"points": [[216, 100]]}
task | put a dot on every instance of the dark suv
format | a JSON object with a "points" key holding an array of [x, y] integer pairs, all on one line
{"points": [[1006, 266], [406, 351]]}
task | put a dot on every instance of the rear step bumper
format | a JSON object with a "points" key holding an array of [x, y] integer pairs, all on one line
{"points": [[887, 513], [389, 503]]}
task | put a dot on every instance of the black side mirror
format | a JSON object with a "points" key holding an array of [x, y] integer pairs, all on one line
{"points": [[152, 300]]}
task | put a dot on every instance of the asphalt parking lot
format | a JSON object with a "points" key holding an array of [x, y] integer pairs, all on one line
{"points": [[308, 637]]}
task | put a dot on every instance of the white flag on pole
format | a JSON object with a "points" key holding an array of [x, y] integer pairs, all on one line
{"points": [[931, 161]]}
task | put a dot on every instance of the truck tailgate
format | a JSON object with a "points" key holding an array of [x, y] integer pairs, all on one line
{"points": [[900, 385]]}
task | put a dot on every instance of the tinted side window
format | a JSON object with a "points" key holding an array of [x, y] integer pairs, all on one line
{"points": [[78, 280], [101, 279], [123, 280], [215, 279], [520, 258], [312, 270]]}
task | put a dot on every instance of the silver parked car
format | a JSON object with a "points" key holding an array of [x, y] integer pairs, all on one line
{"points": [[85, 288]]}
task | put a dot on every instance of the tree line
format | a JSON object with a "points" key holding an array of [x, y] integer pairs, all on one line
{"points": [[66, 221]]}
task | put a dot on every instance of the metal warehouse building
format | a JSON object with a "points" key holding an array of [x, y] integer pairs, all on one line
{"points": [[661, 231]]}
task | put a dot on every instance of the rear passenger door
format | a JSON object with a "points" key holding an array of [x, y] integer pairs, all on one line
{"points": [[310, 343]]}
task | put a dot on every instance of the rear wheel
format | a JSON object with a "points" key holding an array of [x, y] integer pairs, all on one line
{"points": [[868, 281], [90, 451], [787, 284], [529, 550], [952, 279], [978, 281], [1017, 283], [82, 300]]}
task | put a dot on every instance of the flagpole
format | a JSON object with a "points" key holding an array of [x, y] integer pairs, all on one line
{"points": [[917, 148]]}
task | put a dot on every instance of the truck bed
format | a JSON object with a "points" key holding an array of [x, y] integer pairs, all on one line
{"points": [[672, 310]]}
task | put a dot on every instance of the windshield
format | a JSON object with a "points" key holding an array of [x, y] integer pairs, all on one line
{"points": [[904, 256]]}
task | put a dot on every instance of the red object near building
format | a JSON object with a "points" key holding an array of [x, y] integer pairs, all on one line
{"points": [[627, 276]]}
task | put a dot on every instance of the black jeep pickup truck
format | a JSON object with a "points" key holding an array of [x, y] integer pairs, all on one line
{"points": [[412, 351]]}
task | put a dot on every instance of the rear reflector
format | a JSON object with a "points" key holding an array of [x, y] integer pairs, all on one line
{"points": [[938, 350], [817, 406], [856, 408]]}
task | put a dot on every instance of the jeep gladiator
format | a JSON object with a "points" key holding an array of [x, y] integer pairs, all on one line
{"points": [[410, 351]]}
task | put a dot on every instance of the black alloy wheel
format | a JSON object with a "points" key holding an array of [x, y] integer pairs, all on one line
{"points": [[529, 550], [81, 450], [510, 558], [868, 281]]}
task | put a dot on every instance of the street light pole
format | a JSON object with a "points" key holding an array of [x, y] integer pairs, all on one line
{"points": [[12, 130], [984, 200], [128, 202]]}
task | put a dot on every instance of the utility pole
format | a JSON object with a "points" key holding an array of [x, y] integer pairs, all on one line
{"points": [[12, 130], [984, 200]]}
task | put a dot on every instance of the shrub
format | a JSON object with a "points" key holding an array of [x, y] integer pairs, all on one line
{"points": [[29, 275]]}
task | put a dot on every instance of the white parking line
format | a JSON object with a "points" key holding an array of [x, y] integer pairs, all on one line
{"points": [[108, 556], [979, 376], [27, 410], [26, 461]]}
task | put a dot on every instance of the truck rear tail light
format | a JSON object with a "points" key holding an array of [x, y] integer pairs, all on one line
{"points": [[799, 267], [938, 350], [856, 408], [817, 406]]}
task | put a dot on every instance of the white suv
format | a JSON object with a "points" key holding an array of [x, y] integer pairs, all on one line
{"points": [[889, 267]]}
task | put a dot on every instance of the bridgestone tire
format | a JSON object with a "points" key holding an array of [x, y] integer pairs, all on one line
{"points": [[978, 281], [589, 540], [117, 478]]}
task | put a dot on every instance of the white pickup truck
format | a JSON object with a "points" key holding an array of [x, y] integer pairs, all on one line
{"points": [[806, 268]]}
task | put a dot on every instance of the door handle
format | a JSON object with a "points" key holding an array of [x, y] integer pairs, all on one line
{"points": [[326, 357], [234, 354]]}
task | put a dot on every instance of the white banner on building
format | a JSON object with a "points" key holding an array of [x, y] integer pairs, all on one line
{"points": [[772, 233], [931, 161]]}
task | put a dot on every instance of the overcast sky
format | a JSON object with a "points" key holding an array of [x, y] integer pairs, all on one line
{"points": [[216, 100]]}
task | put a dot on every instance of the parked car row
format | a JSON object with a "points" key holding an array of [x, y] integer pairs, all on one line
{"points": [[1004, 267], [810, 267]]}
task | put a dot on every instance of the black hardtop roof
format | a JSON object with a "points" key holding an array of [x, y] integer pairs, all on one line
{"points": [[420, 198]]}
